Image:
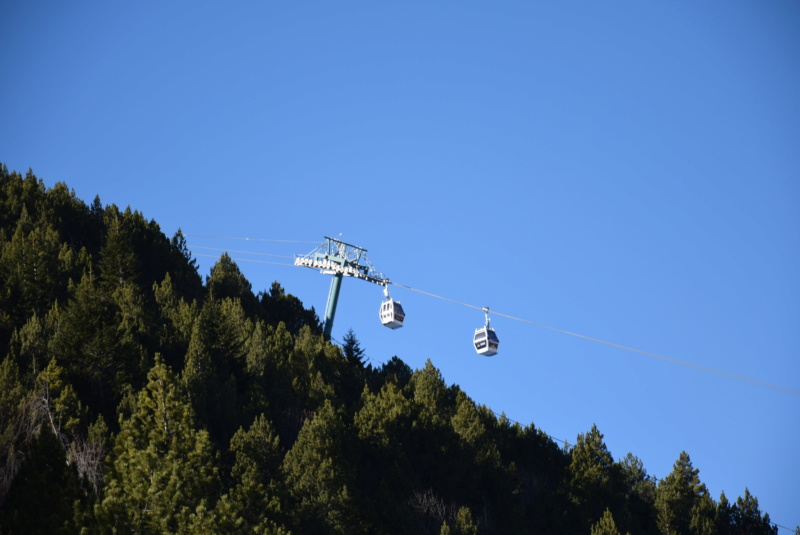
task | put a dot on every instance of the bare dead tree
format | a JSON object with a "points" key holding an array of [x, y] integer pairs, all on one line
{"points": [[87, 456], [430, 511]]}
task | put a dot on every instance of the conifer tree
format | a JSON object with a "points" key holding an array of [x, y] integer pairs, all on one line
{"points": [[118, 266], [396, 370], [723, 516], [386, 475], [747, 517], [317, 478], [677, 495], [593, 479], [703, 520], [464, 523], [174, 322], [30, 269], [352, 349], [29, 344], [44, 490], [430, 394], [87, 343], [640, 495], [226, 280], [11, 398], [163, 469], [278, 306], [249, 507], [183, 268], [606, 525]]}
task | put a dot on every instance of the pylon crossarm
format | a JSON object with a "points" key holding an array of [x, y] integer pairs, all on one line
{"points": [[337, 257]]}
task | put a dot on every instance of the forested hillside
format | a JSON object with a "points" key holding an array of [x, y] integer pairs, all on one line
{"points": [[136, 397]]}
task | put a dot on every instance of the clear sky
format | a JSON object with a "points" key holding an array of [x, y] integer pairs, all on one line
{"points": [[629, 171]]}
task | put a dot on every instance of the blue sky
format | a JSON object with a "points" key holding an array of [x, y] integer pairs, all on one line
{"points": [[626, 171]]}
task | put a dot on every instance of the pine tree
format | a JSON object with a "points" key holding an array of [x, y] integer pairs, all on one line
{"points": [[352, 349], [12, 395], [42, 494], [248, 507], [723, 517], [430, 394], [385, 474], [226, 280], [163, 469], [606, 525], [183, 268], [317, 478], [215, 364], [87, 343], [30, 268], [747, 518], [464, 523], [118, 263], [277, 306], [677, 495], [29, 344], [174, 322], [640, 495], [594, 480]]}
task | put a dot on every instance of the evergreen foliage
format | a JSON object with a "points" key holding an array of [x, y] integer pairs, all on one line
{"points": [[136, 398]]}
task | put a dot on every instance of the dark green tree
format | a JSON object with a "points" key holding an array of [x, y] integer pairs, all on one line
{"points": [[42, 494], [31, 269], [724, 516], [87, 342], [215, 365], [227, 281], [163, 469], [318, 481], [431, 395], [118, 263], [183, 268], [594, 482], [278, 306], [386, 477], [174, 322], [640, 495], [677, 495], [352, 349], [606, 525], [249, 506], [747, 518], [12, 395], [395, 370]]}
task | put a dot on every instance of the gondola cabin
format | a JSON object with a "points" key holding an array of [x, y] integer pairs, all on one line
{"points": [[486, 341], [392, 314]]}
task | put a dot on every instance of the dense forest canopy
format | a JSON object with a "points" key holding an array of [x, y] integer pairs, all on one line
{"points": [[136, 397]]}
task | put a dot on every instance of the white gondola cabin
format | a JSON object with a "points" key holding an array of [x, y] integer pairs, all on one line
{"points": [[485, 339], [391, 313]]}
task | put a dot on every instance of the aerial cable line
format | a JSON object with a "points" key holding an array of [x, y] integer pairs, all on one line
{"points": [[248, 260], [235, 251], [246, 239], [756, 382]]}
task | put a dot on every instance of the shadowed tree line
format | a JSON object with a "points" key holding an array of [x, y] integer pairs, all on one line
{"points": [[136, 397]]}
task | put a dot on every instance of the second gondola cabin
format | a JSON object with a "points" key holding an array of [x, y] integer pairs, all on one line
{"points": [[486, 341], [392, 314]]}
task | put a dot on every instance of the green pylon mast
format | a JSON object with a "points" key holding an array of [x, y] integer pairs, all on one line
{"points": [[340, 259]]}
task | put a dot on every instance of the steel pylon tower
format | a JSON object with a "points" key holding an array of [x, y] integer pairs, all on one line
{"points": [[340, 259]]}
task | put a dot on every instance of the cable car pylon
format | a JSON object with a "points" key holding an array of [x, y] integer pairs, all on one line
{"points": [[340, 259]]}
